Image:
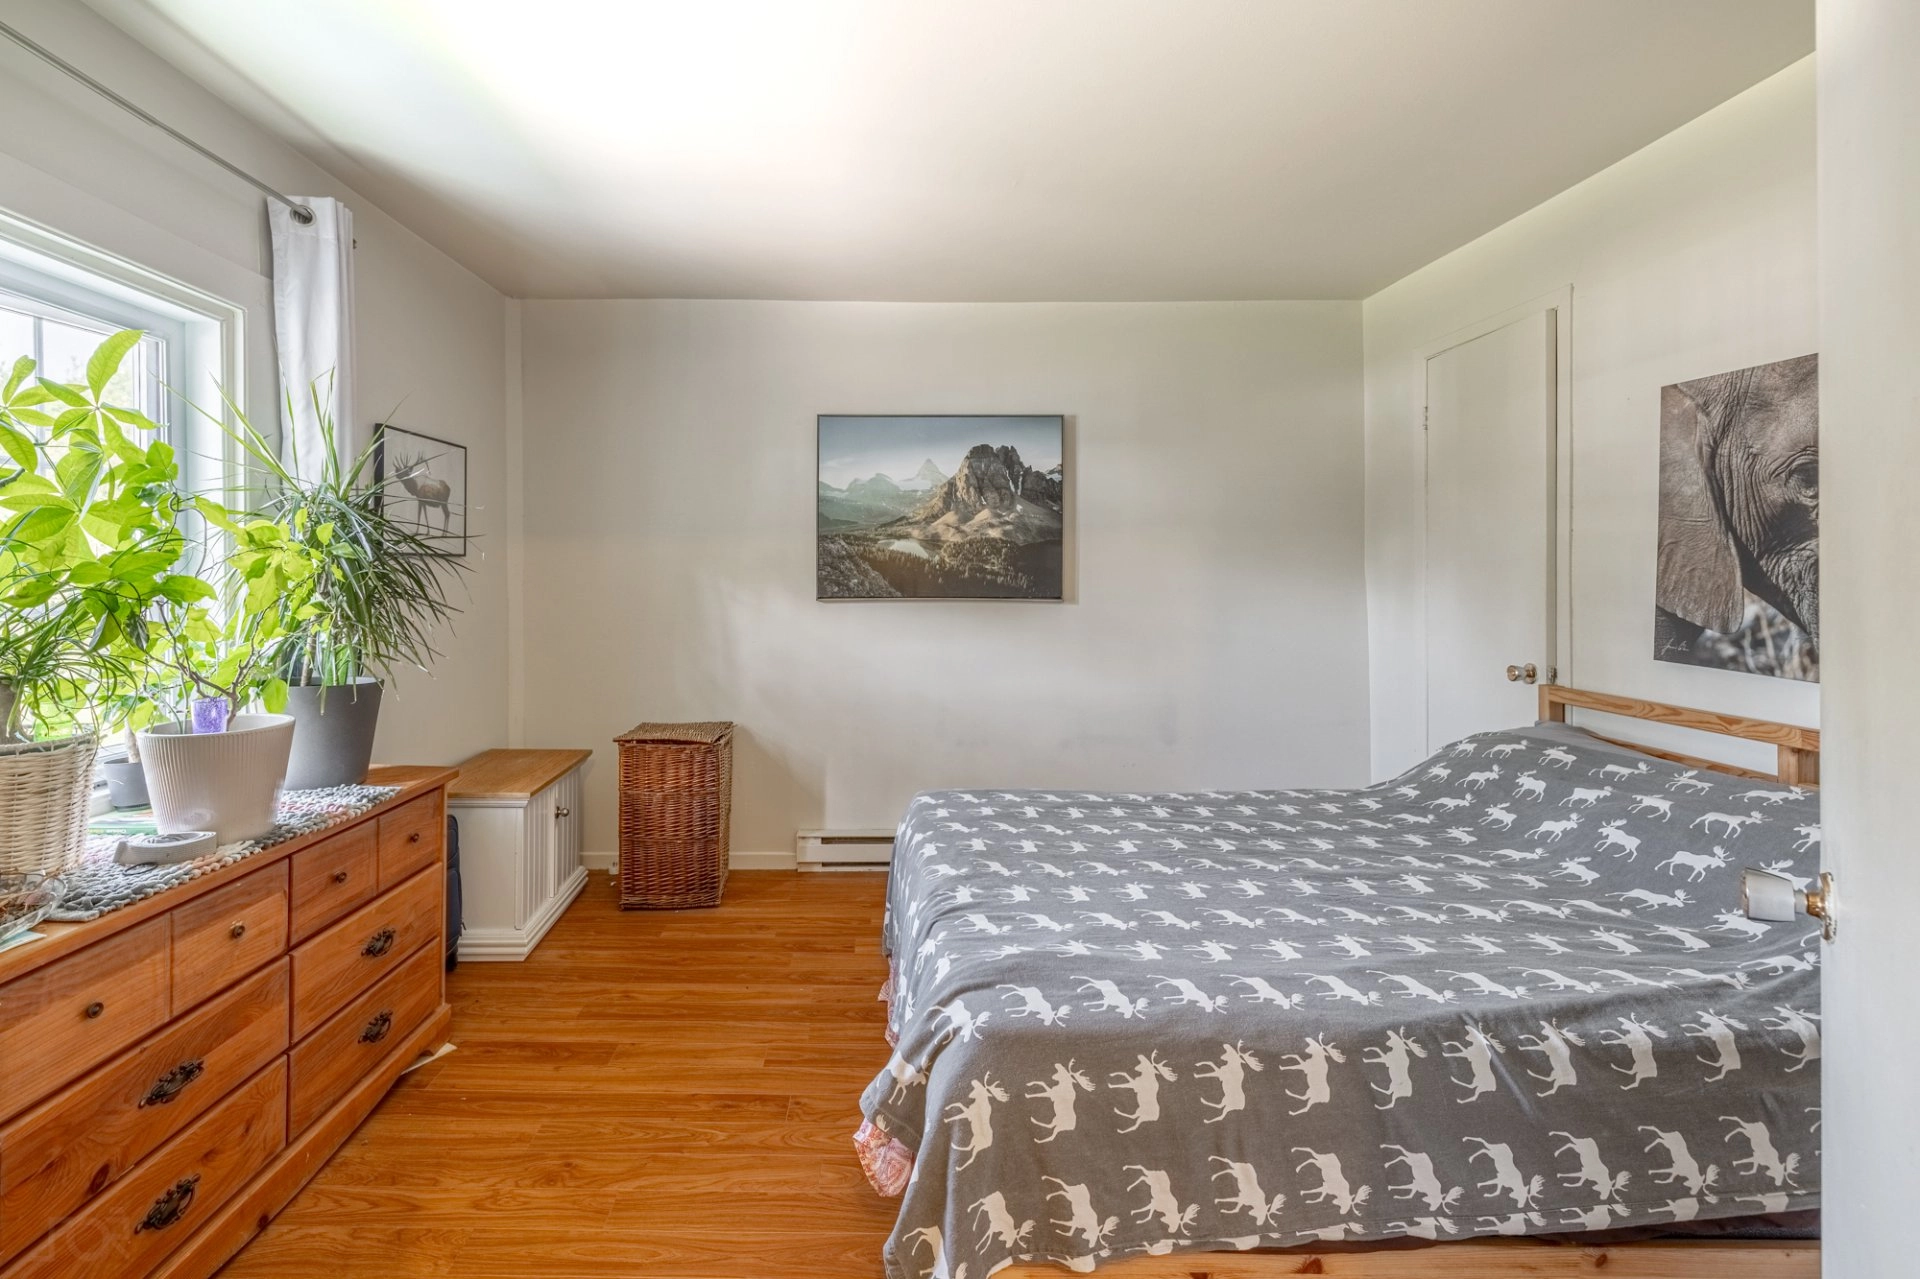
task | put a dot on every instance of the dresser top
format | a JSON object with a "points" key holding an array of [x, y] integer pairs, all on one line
{"points": [[59, 940], [513, 774]]}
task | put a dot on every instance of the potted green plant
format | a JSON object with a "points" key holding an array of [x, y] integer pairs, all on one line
{"points": [[371, 604], [90, 539], [221, 766]]}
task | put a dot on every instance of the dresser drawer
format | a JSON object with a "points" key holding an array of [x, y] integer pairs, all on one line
{"points": [[334, 876], [59, 1022], [410, 839], [350, 956], [342, 1052], [57, 1157], [127, 1230], [228, 934]]}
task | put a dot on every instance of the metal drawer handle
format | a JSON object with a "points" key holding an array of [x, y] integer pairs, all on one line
{"points": [[414, 838], [170, 1207], [339, 876], [173, 1083], [94, 1010], [238, 931], [562, 812], [378, 944], [377, 1028]]}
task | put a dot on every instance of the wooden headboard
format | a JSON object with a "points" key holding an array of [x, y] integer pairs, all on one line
{"points": [[1799, 747]]}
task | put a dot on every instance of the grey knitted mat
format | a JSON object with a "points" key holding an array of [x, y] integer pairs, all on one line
{"points": [[100, 884]]}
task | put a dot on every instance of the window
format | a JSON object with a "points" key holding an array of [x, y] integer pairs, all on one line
{"points": [[59, 342], [59, 298]]}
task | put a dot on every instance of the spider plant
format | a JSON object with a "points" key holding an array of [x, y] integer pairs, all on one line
{"points": [[376, 597]]}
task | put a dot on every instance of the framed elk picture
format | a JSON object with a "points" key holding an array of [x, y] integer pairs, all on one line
{"points": [[423, 483]]}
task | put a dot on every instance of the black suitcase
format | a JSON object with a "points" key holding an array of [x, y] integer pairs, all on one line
{"points": [[454, 923]]}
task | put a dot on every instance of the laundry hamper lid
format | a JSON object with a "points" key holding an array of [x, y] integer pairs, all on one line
{"points": [[709, 732]]}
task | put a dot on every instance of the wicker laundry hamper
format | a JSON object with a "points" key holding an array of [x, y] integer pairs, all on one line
{"points": [[676, 793]]}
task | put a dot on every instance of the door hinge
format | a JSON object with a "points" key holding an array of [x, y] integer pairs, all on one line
{"points": [[1426, 416]]}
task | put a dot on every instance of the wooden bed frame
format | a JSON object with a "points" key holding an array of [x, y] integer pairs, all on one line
{"points": [[1799, 747], [1799, 765]]}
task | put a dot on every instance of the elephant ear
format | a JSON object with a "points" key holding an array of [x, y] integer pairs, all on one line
{"points": [[1698, 578]]}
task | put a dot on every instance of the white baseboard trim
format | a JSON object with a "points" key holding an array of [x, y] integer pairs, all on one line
{"points": [[737, 860], [511, 945]]}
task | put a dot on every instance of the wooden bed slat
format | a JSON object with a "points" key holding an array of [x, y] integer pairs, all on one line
{"points": [[1799, 748], [1483, 1259]]}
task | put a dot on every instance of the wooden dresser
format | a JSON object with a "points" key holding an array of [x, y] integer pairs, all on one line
{"points": [[172, 1073]]}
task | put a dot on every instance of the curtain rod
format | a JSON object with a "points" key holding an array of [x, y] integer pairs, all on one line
{"points": [[301, 213]]}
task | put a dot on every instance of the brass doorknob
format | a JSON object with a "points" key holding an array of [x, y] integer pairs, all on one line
{"points": [[1775, 898], [1527, 674]]}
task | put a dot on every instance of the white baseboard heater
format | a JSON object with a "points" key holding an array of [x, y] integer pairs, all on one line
{"points": [[844, 849]]}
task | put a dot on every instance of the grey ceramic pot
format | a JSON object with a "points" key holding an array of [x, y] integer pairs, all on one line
{"points": [[126, 783], [332, 734]]}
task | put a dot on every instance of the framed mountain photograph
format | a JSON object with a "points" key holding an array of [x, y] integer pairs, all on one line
{"points": [[941, 507]]}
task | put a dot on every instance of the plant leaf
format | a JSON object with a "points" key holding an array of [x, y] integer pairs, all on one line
{"points": [[19, 447], [76, 470], [183, 589], [127, 417], [43, 525], [22, 370], [64, 393], [107, 357]]}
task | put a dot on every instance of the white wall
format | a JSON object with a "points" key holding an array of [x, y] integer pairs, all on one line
{"points": [[1692, 256], [1870, 409], [431, 335], [1215, 632]]}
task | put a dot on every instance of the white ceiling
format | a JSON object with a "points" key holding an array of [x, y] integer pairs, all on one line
{"points": [[965, 149]]}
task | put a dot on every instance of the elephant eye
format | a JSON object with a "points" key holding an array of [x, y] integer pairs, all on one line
{"points": [[1804, 479]]}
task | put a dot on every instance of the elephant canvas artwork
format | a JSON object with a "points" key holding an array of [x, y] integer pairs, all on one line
{"points": [[1738, 582]]}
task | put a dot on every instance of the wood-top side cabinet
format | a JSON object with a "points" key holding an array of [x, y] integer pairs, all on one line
{"points": [[520, 822]]}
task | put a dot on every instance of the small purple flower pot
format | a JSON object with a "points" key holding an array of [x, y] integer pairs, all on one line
{"points": [[210, 714]]}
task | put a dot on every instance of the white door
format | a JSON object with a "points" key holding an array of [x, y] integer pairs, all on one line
{"points": [[1490, 527], [1869, 273]]}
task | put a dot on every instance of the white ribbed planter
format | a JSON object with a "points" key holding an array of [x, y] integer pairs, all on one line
{"points": [[228, 783]]}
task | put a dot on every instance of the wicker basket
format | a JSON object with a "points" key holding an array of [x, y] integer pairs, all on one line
{"points": [[676, 793], [45, 792]]}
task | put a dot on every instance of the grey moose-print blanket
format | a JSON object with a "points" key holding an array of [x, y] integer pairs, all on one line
{"points": [[1509, 992]]}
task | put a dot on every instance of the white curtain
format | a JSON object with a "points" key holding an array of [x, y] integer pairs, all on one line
{"points": [[313, 330]]}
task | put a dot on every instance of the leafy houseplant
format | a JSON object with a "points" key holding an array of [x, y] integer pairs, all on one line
{"points": [[90, 540], [367, 602]]}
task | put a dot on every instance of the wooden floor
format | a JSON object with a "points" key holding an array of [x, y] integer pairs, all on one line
{"points": [[665, 1095]]}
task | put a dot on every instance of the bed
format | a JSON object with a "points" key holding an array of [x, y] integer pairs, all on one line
{"points": [[1509, 993]]}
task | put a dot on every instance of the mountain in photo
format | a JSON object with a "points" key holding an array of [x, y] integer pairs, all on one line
{"points": [[881, 491], [928, 476], [993, 494], [863, 503]]}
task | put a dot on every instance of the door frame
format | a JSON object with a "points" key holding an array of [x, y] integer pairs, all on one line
{"points": [[1559, 479]]}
